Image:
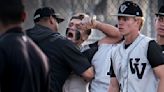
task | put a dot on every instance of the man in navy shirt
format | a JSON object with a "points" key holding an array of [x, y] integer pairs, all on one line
{"points": [[64, 56], [23, 66]]}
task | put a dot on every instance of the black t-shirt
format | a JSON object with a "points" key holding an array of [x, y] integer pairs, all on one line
{"points": [[154, 56], [23, 66], [63, 55]]}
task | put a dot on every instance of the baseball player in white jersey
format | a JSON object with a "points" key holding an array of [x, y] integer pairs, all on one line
{"points": [[137, 62], [101, 62], [83, 23]]}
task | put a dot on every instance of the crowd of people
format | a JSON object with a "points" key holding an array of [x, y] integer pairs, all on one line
{"points": [[40, 59]]}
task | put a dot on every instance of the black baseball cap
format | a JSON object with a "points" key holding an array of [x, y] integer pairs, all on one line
{"points": [[161, 11], [46, 12], [129, 8]]}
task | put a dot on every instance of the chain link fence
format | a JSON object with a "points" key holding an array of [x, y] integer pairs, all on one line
{"points": [[103, 9]]}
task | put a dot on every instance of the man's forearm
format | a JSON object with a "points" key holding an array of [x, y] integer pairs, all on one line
{"points": [[161, 85], [108, 29], [113, 86]]}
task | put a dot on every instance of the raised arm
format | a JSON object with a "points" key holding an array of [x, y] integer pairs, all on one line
{"points": [[111, 32]]}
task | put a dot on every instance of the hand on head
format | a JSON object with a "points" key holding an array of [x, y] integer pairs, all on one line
{"points": [[88, 23]]}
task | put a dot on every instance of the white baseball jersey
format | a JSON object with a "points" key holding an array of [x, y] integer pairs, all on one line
{"points": [[132, 68], [101, 62]]}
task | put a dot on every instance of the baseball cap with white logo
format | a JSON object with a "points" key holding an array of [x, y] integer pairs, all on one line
{"points": [[129, 8], [46, 12]]}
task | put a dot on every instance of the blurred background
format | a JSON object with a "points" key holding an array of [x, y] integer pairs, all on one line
{"points": [[103, 9]]}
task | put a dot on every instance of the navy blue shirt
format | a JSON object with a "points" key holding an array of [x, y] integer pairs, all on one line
{"points": [[23, 66], [64, 56]]}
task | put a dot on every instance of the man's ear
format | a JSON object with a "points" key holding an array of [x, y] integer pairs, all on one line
{"points": [[139, 21], [51, 19], [23, 16], [155, 19]]}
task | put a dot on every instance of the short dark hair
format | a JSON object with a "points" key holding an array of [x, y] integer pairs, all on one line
{"points": [[11, 11], [80, 16]]}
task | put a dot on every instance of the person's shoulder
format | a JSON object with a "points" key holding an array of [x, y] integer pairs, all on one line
{"points": [[59, 39], [8, 38], [146, 38], [57, 36], [95, 44], [153, 43], [118, 45], [89, 46], [12, 42]]}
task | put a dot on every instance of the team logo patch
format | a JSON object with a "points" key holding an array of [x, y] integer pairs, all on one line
{"points": [[37, 16], [123, 8], [137, 13]]}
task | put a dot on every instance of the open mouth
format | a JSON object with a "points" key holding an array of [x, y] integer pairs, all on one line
{"points": [[73, 34], [70, 35]]}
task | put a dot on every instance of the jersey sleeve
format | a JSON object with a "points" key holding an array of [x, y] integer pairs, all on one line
{"points": [[154, 54], [90, 52], [77, 61]]}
